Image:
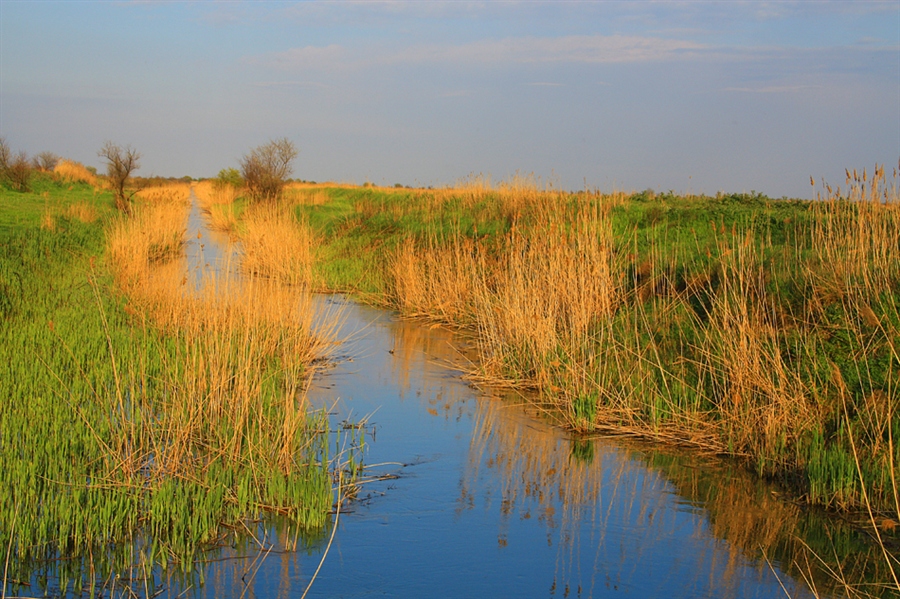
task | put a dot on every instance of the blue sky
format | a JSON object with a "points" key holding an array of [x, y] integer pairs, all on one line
{"points": [[689, 96]]}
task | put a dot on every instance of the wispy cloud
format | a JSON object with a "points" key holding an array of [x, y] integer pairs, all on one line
{"points": [[305, 57], [772, 89], [522, 50], [277, 84]]}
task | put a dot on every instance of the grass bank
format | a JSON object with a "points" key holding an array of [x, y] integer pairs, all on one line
{"points": [[764, 329], [144, 419]]}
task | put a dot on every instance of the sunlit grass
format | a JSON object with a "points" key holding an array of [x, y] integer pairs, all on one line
{"points": [[708, 321], [144, 412]]}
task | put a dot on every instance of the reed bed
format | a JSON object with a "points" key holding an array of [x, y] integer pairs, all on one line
{"points": [[171, 193], [72, 171], [761, 329], [142, 419], [220, 203], [276, 246]]}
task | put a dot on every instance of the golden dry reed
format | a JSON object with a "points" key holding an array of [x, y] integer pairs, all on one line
{"points": [[75, 172], [784, 353], [172, 193], [276, 246], [230, 331], [217, 201], [560, 306]]}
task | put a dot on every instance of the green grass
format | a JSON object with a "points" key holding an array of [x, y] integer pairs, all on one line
{"points": [[90, 412]]}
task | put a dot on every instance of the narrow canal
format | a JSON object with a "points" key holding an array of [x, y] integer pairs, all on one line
{"points": [[474, 497]]}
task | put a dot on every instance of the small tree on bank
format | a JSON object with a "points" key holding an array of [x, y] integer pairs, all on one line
{"points": [[120, 163], [15, 169], [266, 169], [229, 177], [45, 161]]}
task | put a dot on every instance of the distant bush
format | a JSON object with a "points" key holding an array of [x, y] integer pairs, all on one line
{"points": [[266, 169], [120, 163], [229, 177], [18, 172], [15, 169], [5, 155], [45, 161]]}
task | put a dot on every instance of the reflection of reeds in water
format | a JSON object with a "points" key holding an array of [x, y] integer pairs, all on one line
{"points": [[583, 488]]}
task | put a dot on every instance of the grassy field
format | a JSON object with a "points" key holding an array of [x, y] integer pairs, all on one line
{"points": [[143, 421]]}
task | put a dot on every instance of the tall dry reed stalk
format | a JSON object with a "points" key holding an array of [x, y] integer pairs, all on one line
{"points": [[729, 350], [276, 246], [217, 200], [152, 236], [232, 340], [173, 193]]}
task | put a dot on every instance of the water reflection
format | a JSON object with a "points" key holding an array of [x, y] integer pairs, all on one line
{"points": [[615, 510], [208, 254]]}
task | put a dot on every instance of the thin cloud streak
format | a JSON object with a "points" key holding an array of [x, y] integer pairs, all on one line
{"points": [[524, 50], [772, 89], [277, 84]]}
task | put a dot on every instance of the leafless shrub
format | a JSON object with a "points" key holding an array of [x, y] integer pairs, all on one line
{"points": [[45, 161], [267, 168], [18, 172], [120, 163], [5, 155]]}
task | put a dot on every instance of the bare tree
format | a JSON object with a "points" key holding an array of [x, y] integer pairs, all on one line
{"points": [[45, 161], [120, 163], [267, 168], [15, 169], [5, 155], [18, 172]]}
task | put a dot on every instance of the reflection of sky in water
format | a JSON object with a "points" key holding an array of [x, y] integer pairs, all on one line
{"points": [[490, 502], [207, 253]]}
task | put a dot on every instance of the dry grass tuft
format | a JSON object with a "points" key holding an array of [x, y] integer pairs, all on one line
{"points": [[81, 211], [174, 193], [218, 202], [276, 246], [48, 222], [75, 172], [229, 334], [305, 196], [153, 235]]}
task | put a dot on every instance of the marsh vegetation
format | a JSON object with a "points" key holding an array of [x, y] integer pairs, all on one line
{"points": [[150, 417], [146, 420]]}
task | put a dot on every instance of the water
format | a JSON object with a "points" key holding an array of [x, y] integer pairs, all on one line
{"points": [[491, 502]]}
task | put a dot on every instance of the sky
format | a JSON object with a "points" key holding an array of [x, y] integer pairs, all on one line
{"points": [[693, 97]]}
